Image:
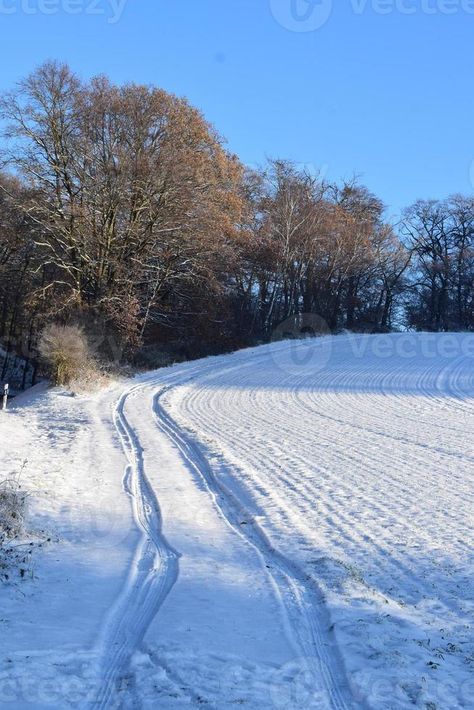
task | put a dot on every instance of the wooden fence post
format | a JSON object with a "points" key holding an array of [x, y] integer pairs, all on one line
{"points": [[5, 397]]}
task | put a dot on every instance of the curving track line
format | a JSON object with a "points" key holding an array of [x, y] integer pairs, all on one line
{"points": [[155, 566], [303, 601], [342, 419], [153, 572], [304, 427]]}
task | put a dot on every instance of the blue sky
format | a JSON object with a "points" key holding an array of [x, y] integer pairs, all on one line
{"points": [[380, 88]]}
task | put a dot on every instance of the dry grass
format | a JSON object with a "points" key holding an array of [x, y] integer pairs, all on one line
{"points": [[65, 350], [90, 378], [12, 510], [14, 557]]}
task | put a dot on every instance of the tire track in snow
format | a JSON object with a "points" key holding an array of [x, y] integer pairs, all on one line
{"points": [[153, 572], [349, 407], [303, 601], [155, 566], [263, 461], [287, 576]]}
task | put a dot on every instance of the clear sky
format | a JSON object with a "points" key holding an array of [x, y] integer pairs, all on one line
{"points": [[380, 88]]}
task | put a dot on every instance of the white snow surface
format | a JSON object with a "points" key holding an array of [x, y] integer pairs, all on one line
{"points": [[286, 527]]}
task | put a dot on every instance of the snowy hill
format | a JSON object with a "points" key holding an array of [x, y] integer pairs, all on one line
{"points": [[289, 526]]}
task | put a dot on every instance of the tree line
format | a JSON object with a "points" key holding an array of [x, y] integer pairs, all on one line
{"points": [[122, 209]]}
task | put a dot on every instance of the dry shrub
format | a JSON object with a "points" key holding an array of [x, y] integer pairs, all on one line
{"points": [[65, 350], [90, 378], [12, 510], [15, 550]]}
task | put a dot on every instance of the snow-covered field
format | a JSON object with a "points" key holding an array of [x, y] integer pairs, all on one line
{"points": [[293, 529]]}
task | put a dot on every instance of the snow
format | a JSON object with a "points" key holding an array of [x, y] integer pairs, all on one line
{"points": [[289, 526]]}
